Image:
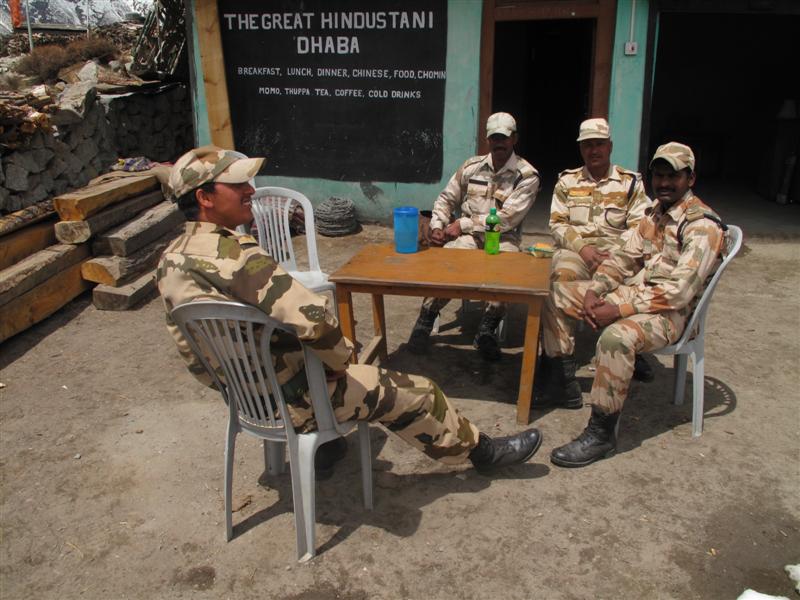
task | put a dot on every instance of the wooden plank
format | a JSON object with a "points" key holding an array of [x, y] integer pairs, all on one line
{"points": [[125, 297], [37, 268], [118, 270], [26, 216], [41, 301], [77, 232], [85, 202], [24, 242], [486, 73], [210, 44], [140, 231]]}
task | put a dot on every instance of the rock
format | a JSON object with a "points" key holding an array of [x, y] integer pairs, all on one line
{"points": [[88, 72], [57, 167], [4, 196], [33, 196], [25, 160], [42, 156], [73, 103], [14, 202], [16, 178], [86, 151], [2, 177]]}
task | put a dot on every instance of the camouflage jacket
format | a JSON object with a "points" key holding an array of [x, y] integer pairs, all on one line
{"points": [[476, 187], [586, 211], [209, 262], [672, 253]]}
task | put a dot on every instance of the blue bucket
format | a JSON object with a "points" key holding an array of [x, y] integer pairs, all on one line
{"points": [[406, 229]]}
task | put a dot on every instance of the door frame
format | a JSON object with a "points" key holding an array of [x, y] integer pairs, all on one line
{"points": [[602, 11]]}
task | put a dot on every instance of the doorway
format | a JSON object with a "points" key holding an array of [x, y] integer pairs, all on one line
{"points": [[723, 84], [542, 76]]}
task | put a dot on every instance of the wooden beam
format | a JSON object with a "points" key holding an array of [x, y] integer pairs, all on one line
{"points": [[117, 270], [602, 58], [125, 297], [77, 232], [41, 301], [140, 231], [85, 202], [24, 242], [533, 11], [37, 268], [486, 73], [26, 216], [210, 42]]}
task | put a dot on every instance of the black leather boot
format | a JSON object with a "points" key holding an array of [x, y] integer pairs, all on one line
{"points": [[642, 369], [598, 440], [486, 339], [561, 388], [420, 340], [492, 454], [328, 454]]}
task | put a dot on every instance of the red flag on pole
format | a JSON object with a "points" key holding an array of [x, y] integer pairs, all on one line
{"points": [[16, 13]]}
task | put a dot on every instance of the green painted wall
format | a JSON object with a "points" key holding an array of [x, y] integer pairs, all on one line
{"points": [[460, 126], [626, 101]]}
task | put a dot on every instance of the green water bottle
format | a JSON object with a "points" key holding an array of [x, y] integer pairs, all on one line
{"points": [[492, 243]]}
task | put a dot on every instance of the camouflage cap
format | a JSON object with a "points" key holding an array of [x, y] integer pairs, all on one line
{"points": [[680, 156], [211, 163], [500, 123], [594, 129]]}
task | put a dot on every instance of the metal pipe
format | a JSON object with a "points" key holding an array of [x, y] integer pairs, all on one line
{"points": [[28, 21]]}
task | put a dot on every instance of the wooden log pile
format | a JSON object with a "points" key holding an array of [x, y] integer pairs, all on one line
{"points": [[109, 239]]}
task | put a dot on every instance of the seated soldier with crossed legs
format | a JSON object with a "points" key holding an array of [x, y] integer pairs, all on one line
{"points": [[211, 261]]}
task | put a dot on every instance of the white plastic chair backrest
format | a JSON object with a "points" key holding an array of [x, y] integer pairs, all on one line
{"points": [[271, 212], [238, 337], [733, 242]]}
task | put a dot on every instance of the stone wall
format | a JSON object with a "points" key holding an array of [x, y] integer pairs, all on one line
{"points": [[157, 125]]}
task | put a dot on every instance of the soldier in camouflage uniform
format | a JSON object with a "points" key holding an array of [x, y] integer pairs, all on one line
{"points": [[211, 261], [592, 206], [500, 180], [641, 295]]}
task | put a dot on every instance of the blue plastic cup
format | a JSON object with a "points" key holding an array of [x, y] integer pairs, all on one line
{"points": [[406, 229]]}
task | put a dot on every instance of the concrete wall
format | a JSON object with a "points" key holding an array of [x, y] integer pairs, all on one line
{"points": [[627, 83], [374, 200]]}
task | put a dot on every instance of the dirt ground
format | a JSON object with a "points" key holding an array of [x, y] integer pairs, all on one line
{"points": [[112, 471]]}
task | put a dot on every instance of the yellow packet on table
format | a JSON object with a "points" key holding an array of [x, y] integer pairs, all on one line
{"points": [[541, 250]]}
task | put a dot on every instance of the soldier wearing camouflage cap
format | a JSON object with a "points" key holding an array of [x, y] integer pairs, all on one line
{"points": [[640, 297], [212, 261], [592, 206], [500, 180]]}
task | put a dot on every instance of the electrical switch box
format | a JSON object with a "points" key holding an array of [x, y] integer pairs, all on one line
{"points": [[631, 48]]}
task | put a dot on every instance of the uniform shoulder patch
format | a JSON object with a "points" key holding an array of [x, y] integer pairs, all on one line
{"points": [[693, 213], [473, 160], [525, 168], [570, 171]]}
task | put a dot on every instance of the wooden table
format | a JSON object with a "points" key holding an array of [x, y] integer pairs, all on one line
{"points": [[445, 273]]}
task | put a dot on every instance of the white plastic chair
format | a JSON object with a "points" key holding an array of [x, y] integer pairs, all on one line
{"points": [[270, 207], [693, 339], [237, 337]]}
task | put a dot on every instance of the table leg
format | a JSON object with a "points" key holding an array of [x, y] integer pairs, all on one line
{"points": [[379, 323], [344, 302], [529, 353]]}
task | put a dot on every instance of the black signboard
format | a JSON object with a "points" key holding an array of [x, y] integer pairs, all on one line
{"points": [[346, 90]]}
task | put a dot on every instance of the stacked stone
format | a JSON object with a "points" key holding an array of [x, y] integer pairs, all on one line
{"points": [[51, 163], [156, 125]]}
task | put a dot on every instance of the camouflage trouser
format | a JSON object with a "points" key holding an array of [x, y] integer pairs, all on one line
{"points": [[569, 266], [618, 343], [467, 242], [411, 406]]}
